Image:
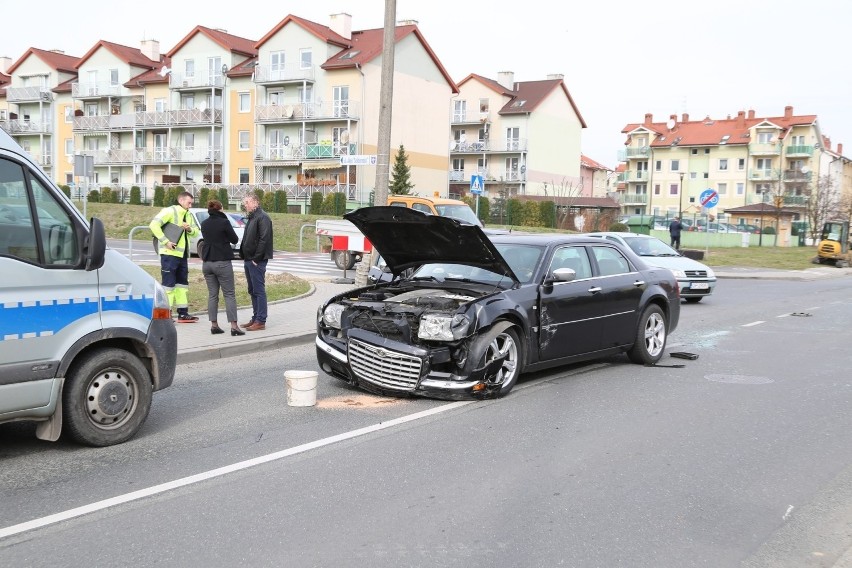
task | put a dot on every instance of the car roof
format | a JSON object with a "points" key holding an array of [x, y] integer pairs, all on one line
{"points": [[543, 238], [622, 234]]}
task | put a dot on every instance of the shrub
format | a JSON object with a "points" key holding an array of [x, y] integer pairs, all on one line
{"points": [[94, 196], [135, 195], [159, 196], [223, 197], [66, 189], [316, 203], [268, 201], [547, 214], [204, 197], [619, 227], [171, 196], [280, 201], [769, 230]]}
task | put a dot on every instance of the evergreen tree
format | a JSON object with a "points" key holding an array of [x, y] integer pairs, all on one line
{"points": [[401, 175]]}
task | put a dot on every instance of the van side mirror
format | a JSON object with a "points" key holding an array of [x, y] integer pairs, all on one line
{"points": [[95, 245]]}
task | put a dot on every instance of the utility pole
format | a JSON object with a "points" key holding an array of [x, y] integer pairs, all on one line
{"points": [[385, 106]]}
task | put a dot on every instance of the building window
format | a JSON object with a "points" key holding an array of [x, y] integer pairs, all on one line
{"points": [[69, 114], [244, 175], [723, 164], [245, 102], [741, 164], [69, 146], [695, 151], [306, 58], [69, 178], [675, 165], [160, 105], [188, 175], [658, 166], [764, 164], [722, 188], [189, 68], [657, 189], [673, 189], [764, 138], [706, 150], [740, 188], [244, 139], [483, 106], [113, 76]]}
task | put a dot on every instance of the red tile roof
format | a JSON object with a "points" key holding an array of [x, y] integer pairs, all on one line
{"points": [[587, 162], [232, 43], [323, 32], [65, 86], [130, 55], [57, 61], [151, 76], [761, 208], [710, 132], [244, 69]]}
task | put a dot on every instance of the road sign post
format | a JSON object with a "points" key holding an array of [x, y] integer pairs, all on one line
{"points": [[476, 182]]}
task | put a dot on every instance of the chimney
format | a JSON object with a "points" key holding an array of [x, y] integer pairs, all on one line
{"points": [[507, 79], [341, 24], [151, 49], [840, 149], [672, 121], [750, 114], [5, 63], [826, 141], [684, 117], [788, 111], [741, 118], [555, 77], [649, 118]]}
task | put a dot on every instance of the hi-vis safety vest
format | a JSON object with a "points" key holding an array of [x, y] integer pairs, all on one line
{"points": [[177, 215]]}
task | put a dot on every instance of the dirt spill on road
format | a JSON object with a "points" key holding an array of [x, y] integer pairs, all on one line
{"points": [[359, 401]]}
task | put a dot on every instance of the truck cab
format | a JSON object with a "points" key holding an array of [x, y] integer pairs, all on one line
{"points": [[86, 336]]}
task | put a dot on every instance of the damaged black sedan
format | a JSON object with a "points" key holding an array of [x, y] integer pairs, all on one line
{"points": [[467, 313]]}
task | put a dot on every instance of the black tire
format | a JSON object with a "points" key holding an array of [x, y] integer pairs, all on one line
{"points": [[500, 340], [693, 300], [651, 335], [198, 247], [343, 259], [106, 397]]}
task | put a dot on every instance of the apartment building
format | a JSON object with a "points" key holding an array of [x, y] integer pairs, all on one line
{"points": [[521, 137], [746, 159], [595, 178], [31, 105]]}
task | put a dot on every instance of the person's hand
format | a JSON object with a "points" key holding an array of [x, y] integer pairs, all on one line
{"points": [[171, 245], [186, 227]]}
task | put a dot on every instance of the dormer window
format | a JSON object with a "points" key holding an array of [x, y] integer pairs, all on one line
{"points": [[350, 54], [518, 104]]}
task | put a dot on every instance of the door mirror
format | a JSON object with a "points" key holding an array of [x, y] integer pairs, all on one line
{"points": [[95, 245]]}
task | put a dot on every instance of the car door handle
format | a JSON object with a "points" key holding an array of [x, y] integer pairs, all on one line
{"points": [[639, 283], [594, 289]]}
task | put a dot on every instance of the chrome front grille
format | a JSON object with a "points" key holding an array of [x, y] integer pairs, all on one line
{"points": [[383, 367], [696, 273]]}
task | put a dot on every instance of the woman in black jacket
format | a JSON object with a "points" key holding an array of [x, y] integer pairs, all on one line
{"points": [[218, 255]]}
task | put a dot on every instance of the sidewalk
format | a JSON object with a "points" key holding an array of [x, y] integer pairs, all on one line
{"points": [[293, 321]]}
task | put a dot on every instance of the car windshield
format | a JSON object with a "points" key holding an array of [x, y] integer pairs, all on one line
{"points": [[650, 247], [522, 259], [460, 212]]}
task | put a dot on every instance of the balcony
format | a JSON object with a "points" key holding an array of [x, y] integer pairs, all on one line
{"points": [[457, 175], [113, 157], [296, 153], [471, 117], [28, 94], [763, 175], [480, 146], [95, 90], [633, 153], [796, 200], [276, 75], [633, 176], [44, 159], [184, 117], [757, 149], [205, 80], [799, 151], [513, 176], [299, 112], [634, 198], [17, 126], [797, 176], [187, 155]]}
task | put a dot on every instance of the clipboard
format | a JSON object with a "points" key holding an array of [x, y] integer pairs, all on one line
{"points": [[172, 232]]}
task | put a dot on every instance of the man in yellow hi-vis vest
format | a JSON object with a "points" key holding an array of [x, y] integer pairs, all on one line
{"points": [[173, 255]]}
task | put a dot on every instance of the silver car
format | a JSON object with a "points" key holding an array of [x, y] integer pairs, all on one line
{"points": [[201, 215], [696, 280]]}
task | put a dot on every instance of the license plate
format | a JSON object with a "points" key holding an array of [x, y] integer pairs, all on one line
{"points": [[699, 286]]}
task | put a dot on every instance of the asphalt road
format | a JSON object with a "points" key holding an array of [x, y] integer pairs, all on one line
{"points": [[741, 457]]}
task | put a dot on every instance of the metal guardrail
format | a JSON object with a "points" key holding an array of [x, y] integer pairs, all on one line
{"points": [[130, 240], [301, 235]]}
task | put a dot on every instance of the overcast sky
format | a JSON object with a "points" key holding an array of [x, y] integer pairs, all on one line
{"points": [[620, 58]]}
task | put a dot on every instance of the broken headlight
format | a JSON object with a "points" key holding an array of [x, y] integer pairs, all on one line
{"points": [[440, 327], [331, 315]]}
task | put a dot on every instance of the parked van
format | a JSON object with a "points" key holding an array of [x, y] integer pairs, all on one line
{"points": [[86, 336], [436, 206]]}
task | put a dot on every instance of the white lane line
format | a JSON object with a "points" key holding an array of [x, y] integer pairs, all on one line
{"points": [[753, 323], [218, 472]]}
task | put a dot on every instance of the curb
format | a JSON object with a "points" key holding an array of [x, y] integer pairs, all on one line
{"points": [[200, 354]]}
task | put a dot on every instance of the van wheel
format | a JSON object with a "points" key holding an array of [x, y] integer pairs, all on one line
{"points": [[343, 259], [198, 247], [106, 397]]}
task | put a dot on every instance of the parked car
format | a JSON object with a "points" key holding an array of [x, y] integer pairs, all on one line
{"points": [[477, 311], [239, 218], [746, 228], [696, 280], [201, 214]]}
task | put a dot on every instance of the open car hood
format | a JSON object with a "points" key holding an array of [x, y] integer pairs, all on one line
{"points": [[407, 238]]}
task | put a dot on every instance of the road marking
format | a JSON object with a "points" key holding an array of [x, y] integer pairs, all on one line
{"points": [[218, 472], [753, 323], [787, 514]]}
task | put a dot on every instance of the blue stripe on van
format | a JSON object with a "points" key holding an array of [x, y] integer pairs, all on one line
{"points": [[19, 320]]}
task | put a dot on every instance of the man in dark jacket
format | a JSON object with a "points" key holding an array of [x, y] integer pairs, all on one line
{"points": [[256, 249], [675, 228]]}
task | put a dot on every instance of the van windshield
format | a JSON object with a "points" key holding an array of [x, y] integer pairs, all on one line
{"points": [[460, 212]]}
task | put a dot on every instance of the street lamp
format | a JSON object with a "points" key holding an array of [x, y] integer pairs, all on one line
{"points": [[680, 197]]}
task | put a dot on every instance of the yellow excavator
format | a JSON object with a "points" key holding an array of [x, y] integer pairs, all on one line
{"points": [[834, 246]]}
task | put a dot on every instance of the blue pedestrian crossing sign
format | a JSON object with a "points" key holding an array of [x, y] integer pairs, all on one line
{"points": [[708, 198], [476, 183]]}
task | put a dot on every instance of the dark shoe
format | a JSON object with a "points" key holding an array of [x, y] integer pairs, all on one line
{"points": [[237, 331], [247, 325], [186, 318], [256, 326], [216, 330]]}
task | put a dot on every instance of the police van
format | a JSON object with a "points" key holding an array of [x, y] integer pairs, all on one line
{"points": [[86, 336]]}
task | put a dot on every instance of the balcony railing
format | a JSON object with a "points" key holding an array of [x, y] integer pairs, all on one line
{"points": [[178, 154], [457, 175], [628, 153], [471, 117], [301, 152], [763, 175], [200, 80], [796, 200], [764, 149], [480, 146], [173, 118], [800, 150], [95, 90], [297, 112], [25, 94], [275, 74], [18, 126], [44, 159], [110, 157], [634, 175], [797, 176], [634, 198]]}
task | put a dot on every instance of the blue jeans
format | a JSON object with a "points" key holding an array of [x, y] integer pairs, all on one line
{"points": [[256, 277]]}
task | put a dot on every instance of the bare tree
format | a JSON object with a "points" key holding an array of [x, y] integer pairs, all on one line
{"points": [[823, 204], [564, 193]]}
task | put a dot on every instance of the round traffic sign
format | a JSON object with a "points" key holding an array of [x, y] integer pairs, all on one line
{"points": [[708, 198]]}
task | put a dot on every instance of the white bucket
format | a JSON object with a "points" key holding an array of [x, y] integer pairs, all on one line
{"points": [[301, 388]]}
